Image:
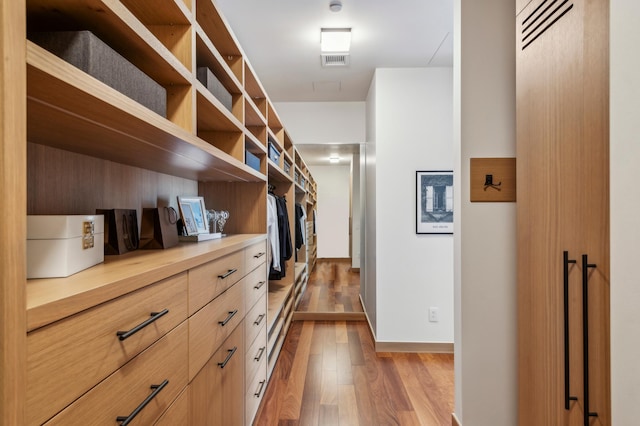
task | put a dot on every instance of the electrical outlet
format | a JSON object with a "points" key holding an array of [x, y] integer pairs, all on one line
{"points": [[433, 314]]}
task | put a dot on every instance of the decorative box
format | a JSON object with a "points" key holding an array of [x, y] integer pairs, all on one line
{"points": [[286, 166], [213, 85], [274, 154], [86, 51], [252, 160], [59, 246]]}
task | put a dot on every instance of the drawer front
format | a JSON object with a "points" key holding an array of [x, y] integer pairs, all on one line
{"points": [[207, 281], [211, 325], [255, 255], [177, 413], [160, 371], [256, 320], [216, 394], [256, 388], [67, 358], [256, 285], [256, 354]]}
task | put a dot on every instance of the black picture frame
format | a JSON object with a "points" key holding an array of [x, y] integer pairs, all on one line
{"points": [[434, 202]]}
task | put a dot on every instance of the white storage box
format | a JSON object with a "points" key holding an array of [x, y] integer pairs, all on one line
{"points": [[59, 246]]}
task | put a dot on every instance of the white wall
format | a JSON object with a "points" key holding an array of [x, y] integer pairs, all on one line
{"points": [[625, 208], [368, 217], [355, 211], [323, 122], [413, 131], [485, 258], [332, 224]]}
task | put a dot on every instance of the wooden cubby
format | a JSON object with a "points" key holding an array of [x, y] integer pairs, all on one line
{"points": [[81, 145]]}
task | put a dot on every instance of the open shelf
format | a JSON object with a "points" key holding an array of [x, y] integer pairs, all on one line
{"points": [[64, 101], [118, 27], [278, 294]]}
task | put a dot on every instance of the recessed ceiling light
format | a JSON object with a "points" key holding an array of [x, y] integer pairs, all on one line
{"points": [[335, 40], [334, 159]]}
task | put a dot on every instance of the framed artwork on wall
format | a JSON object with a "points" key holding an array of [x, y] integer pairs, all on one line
{"points": [[434, 202]]}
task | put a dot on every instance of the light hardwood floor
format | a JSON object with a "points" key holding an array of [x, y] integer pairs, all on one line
{"points": [[332, 287], [328, 373]]}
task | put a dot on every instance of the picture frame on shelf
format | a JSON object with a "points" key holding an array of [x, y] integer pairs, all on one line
{"points": [[194, 215], [434, 202]]}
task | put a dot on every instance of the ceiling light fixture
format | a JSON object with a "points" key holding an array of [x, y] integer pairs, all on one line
{"points": [[335, 40], [335, 5], [334, 159]]}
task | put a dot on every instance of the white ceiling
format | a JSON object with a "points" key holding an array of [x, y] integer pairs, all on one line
{"points": [[281, 39]]}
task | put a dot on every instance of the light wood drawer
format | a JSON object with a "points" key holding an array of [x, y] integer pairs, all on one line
{"points": [[120, 394], [256, 388], [177, 413], [216, 394], [255, 255], [211, 325], [256, 353], [207, 281], [256, 283], [256, 320], [67, 358]]}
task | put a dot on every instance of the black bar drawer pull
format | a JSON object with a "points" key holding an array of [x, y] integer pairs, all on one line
{"points": [[260, 353], [567, 394], [226, 274], [226, 320], [262, 383], [125, 420], [259, 319], [585, 336], [228, 358], [154, 316], [259, 285], [259, 255]]}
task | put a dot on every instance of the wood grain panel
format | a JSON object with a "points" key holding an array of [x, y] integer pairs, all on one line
{"points": [[13, 228], [79, 351], [208, 281], [216, 394], [246, 204], [503, 172], [206, 331], [177, 413], [125, 390], [562, 132]]}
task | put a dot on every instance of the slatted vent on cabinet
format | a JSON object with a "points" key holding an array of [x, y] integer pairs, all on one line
{"points": [[542, 18]]}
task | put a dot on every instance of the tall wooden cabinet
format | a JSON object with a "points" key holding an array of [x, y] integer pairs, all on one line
{"points": [[563, 212], [194, 315]]}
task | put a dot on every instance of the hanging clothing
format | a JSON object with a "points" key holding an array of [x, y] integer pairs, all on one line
{"points": [[284, 231], [273, 236], [299, 224]]}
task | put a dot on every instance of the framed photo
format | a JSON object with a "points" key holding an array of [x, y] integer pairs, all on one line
{"points": [[194, 215], [434, 202]]}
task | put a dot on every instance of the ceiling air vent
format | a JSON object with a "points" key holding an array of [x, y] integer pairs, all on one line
{"points": [[335, 60]]}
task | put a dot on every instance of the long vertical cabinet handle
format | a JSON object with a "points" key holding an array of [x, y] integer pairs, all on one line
{"points": [[585, 331], [567, 393]]}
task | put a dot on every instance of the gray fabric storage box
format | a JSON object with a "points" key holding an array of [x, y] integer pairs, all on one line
{"points": [[212, 84], [87, 52]]}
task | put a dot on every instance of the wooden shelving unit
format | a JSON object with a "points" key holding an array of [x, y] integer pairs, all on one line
{"points": [[82, 145]]}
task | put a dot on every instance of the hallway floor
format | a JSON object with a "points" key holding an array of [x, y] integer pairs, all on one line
{"points": [[328, 373]]}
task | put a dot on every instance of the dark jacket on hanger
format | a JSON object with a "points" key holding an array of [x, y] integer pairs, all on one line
{"points": [[286, 248]]}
